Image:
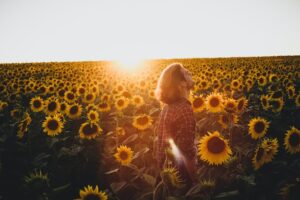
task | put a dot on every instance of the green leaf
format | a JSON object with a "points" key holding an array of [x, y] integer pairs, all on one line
{"points": [[116, 187], [225, 195]]}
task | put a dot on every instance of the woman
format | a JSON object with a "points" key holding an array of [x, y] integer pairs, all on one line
{"points": [[176, 125]]}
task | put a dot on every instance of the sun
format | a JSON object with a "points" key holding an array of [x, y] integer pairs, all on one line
{"points": [[129, 64]]}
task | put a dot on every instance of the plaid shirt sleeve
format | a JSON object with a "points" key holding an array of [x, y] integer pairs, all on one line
{"points": [[184, 133]]}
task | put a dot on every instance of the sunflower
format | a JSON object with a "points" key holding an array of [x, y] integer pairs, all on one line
{"points": [[36, 104], [171, 177], [214, 149], [258, 127], [271, 148], [137, 100], [89, 98], [3, 105], [88, 193], [242, 103], [74, 111], [53, 125], [120, 131], [70, 97], [262, 81], [214, 103], [234, 85], [259, 157], [103, 107], [264, 100], [121, 103], [93, 116], [207, 185], [89, 130], [23, 125], [228, 119], [198, 103], [142, 121], [291, 91], [292, 140], [230, 105], [276, 104], [37, 181], [124, 155], [52, 106]]}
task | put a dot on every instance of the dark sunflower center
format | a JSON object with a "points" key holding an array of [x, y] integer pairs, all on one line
{"points": [[90, 129], [142, 120], [198, 102], [261, 80], [203, 84], [89, 97], [37, 103], [52, 124], [123, 155], [259, 154], [73, 110], [137, 100], [259, 127], [52, 106], [70, 96], [92, 116], [235, 84], [215, 145], [294, 139], [120, 102], [92, 196], [81, 90], [214, 102]]}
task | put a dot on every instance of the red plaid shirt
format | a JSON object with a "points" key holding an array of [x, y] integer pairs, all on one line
{"points": [[176, 121]]}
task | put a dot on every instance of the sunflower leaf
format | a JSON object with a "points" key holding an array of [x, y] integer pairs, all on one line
{"points": [[130, 139], [116, 187]]}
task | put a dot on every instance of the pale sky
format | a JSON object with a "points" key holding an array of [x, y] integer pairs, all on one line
{"points": [[82, 30]]}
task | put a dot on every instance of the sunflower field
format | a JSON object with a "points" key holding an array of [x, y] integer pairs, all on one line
{"points": [[86, 130]]}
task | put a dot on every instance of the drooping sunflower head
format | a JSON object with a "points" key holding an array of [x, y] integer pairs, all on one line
{"points": [[37, 181], [124, 155], [264, 100], [214, 149], [36, 104], [89, 130], [53, 125], [214, 103], [90, 193], [259, 157], [171, 177], [142, 121], [271, 148], [292, 140], [258, 127], [241, 104], [207, 185]]}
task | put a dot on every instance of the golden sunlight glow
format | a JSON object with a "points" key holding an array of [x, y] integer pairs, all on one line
{"points": [[129, 64]]}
